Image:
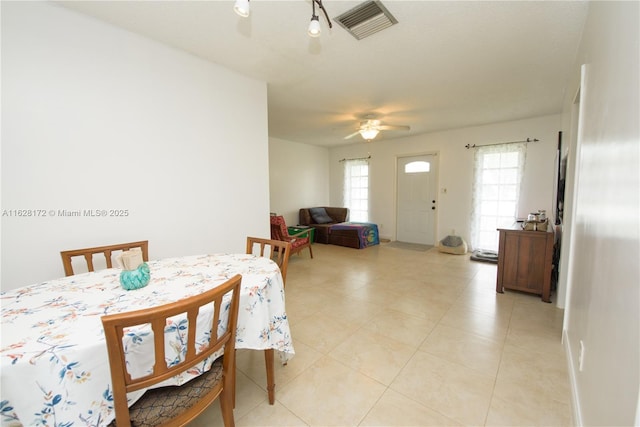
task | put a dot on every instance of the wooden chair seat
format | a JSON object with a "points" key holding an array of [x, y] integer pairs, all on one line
{"points": [[158, 405]]}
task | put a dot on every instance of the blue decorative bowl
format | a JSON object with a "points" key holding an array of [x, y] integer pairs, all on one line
{"points": [[135, 279]]}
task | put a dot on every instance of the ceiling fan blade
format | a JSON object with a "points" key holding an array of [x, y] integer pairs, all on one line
{"points": [[393, 127], [352, 135]]}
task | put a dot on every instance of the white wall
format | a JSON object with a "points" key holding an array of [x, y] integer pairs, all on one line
{"points": [[455, 170], [95, 117], [298, 176], [603, 302]]}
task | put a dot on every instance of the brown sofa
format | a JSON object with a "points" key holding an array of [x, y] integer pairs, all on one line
{"points": [[337, 215]]}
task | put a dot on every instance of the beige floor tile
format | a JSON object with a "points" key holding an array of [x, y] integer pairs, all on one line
{"points": [[458, 392], [330, 394], [444, 290], [486, 273], [305, 303], [484, 298], [248, 397], [374, 355], [509, 412], [517, 403], [530, 376], [406, 328], [308, 278], [470, 350], [363, 311], [343, 287], [265, 415], [543, 341], [444, 277], [322, 333], [353, 310], [420, 306], [529, 314], [471, 320], [252, 364], [394, 409], [377, 294]]}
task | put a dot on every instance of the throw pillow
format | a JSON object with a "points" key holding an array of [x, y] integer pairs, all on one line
{"points": [[320, 216]]}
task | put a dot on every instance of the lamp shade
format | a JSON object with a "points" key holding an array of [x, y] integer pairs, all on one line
{"points": [[369, 133], [314, 27], [241, 7]]}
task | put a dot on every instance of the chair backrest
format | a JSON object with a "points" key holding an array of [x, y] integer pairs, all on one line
{"points": [[117, 325], [277, 250], [279, 229], [107, 251]]}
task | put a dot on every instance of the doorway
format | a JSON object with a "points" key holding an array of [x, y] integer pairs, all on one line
{"points": [[416, 192]]}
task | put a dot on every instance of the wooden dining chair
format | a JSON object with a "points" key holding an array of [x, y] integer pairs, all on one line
{"points": [[175, 405], [107, 251], [276, 250]]}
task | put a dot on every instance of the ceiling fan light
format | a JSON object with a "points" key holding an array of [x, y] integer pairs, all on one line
{"points": [[241, 7], [314, 26], [369, 134]]}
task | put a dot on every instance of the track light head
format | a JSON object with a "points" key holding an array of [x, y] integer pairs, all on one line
{"points": [[241, 7], [314, 26]]}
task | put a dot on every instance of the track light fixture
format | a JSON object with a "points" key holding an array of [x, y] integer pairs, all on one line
{"points": [[241, 7], [314, 25]]}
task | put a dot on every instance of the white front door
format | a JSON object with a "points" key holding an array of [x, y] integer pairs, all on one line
{"points": [[416, 181]]}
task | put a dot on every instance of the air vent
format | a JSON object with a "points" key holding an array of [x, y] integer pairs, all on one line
{"points": [[366, 19]]}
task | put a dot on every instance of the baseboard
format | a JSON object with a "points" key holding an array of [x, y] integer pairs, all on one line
{"points": [[576, 413]]}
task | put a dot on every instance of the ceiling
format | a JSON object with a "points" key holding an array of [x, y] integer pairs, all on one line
{"points": [[444, 65]]}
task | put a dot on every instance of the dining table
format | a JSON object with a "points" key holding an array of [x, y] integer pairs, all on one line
{"points": [[54, 366]]}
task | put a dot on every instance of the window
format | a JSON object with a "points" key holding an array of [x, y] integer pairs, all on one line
{"points": [[498, 172], [417, 167], [356, 189]]}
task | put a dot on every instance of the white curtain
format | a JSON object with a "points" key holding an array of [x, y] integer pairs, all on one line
{"points": [[356, 189], [498, 171]]}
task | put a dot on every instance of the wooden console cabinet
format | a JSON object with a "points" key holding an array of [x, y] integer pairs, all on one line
{"points": [[525, 261]]}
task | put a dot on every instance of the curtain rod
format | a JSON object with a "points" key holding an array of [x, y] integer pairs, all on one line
{"points": [[356, 158], [501, 143]]}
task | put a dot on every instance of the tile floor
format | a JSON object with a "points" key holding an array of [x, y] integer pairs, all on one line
{"points": [[395, 337]]}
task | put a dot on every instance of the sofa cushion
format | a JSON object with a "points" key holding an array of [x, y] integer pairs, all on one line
{"points": [[336, 214], [320, 215]]}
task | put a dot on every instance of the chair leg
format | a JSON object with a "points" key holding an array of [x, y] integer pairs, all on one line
{"points": [[226, 407], [228, 395], [310, 252], [271, 385], [233, 382]]}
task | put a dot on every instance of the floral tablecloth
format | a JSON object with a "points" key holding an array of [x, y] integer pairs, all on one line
{"points": [[54, 363]]}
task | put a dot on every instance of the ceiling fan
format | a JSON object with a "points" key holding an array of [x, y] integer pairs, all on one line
{"points": [[370, 128]]}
